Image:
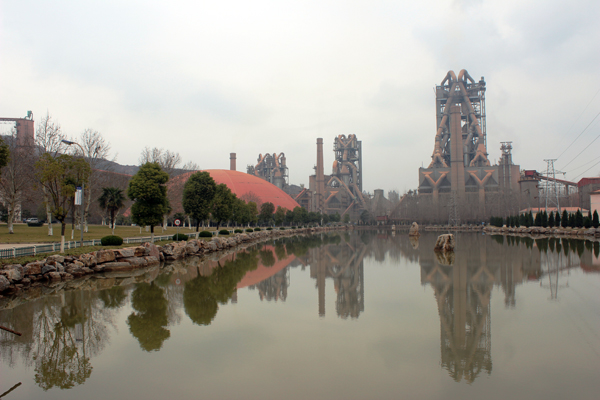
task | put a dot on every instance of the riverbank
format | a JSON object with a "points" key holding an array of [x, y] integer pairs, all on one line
{"points": [[18, 278]]}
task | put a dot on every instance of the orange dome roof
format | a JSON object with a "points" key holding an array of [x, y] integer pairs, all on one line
{"points": [[245, 186]]}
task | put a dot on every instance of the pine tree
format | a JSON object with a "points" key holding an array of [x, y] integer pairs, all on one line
{"points": [[595, 221], [565, 219], [579, 219], [545, 219], [557, 219], [551, 220]]}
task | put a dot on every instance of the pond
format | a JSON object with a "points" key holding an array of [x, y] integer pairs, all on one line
{"points": [[343, 315]]}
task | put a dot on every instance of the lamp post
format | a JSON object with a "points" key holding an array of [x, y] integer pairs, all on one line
{"points": [[69, 143]]}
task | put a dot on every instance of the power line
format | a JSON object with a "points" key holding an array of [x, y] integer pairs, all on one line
{"points": [[586, 170], [578, 135], [577, 119], [581, 166], [585, 148]]}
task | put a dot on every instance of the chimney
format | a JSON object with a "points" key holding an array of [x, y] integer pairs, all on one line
{"points": [[232, 161], [320, 176]]}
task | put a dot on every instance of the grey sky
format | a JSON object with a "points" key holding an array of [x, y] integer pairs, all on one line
{"points": [[208, 78]]}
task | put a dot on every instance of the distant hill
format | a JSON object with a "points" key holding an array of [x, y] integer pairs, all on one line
{"points": [[111, 166]]}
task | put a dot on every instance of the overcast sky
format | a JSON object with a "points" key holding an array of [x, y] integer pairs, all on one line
{"points": [[206, 78]]}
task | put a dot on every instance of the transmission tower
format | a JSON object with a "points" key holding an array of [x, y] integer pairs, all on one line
{"points": [[552, 191], [453, 219]]}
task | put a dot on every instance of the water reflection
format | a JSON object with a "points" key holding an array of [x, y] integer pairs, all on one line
{"points": [[63, 330]]}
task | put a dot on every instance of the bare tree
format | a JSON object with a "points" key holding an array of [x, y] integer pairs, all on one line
{"points": [[16, 178], [95, 150], [190, 166], [48, 140], [169, 161]]}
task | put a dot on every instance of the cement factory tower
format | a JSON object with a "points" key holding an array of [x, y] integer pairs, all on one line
{"points": [[460, 172]]}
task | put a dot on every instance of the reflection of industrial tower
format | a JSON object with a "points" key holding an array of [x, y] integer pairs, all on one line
{"points": [[459, 164], [272, 168], [344, 264], [463, 299], [340, 192]]}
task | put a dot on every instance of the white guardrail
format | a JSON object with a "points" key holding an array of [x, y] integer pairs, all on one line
{"points": [[52, 247]]}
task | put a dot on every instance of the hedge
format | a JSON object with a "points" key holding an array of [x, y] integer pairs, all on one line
{"points": [[111, 240]]}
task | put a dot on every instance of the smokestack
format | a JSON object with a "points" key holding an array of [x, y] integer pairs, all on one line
{"points": [[232, 162], [320, 176]]}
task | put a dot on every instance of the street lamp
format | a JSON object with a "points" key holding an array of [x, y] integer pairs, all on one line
{"points": [[69, 143]]}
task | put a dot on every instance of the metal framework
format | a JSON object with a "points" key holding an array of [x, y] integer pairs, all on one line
{"points": [[272, 168], [460, 91]]}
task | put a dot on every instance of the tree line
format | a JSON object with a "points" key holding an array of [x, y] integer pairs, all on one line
{"points": [[549, 220]]}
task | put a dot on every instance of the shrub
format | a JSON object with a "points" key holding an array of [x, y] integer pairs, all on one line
{"points": [[205, 234], [238, 231], [39, 223], [282, 228], [179, 237], [257, 229], [223, 232], [249, 230], [111, 240], [294, 227], [269, 229]]}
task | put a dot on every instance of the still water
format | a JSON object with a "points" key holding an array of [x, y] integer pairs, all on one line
{"points": [[339, 316]]}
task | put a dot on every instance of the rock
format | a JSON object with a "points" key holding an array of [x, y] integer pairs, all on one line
{"points": [[53, 276], [116, 266], [151, 250], [191, 247], [445, 243], [48, 268], [152, 260], [4, 283], [89, 260], [136, 262], [590, 232], [212, 246], [414, 230], [104, 256], [55, 258], [33, 268], [125, 253], [13, 272]]}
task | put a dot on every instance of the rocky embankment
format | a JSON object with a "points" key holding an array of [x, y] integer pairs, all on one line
{"points": [[581, 233], [15, 278]]}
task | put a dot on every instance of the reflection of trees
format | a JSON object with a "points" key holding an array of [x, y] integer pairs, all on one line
{"points": [[202, 295], [266, 257], [274, 287], [147, 325], [61, 333], [113, 297]]}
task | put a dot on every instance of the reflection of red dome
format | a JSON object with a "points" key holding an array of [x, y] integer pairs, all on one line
{"points": [[245, 186], [261, 272]]}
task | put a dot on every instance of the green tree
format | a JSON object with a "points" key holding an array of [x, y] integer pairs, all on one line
{"points": [[4, 153], [266, 213], [335, 217], [346, 218], [551, 220], [280, 215], [147, 324], [148, 190], [59, 177], [223, 203], [544, 219], [564, 220], [595, 220], [538, 219], [578, 219], [112, 200], [289, 217], [300, 215], [587, 221], [252, 212], [198, 195]]}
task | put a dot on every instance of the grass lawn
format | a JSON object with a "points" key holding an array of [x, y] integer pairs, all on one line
{"points": [[39, 234]]}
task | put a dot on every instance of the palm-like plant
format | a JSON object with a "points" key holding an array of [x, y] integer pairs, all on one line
{"points": [[112, 200]]}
